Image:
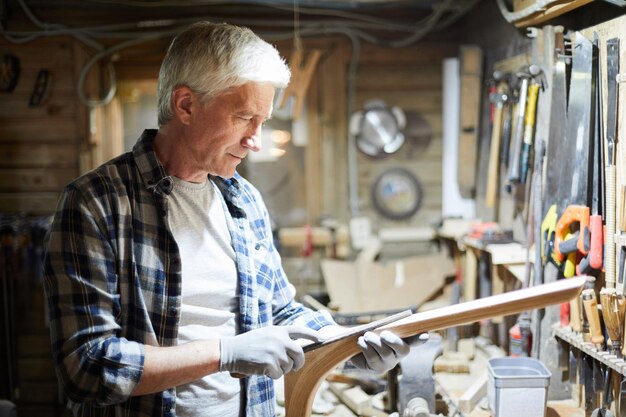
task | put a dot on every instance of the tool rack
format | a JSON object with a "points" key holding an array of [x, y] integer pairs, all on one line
{"points": [[576, 340]]}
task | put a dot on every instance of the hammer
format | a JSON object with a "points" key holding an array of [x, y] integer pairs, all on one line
{"points": [[498, 99], [536, 73], [518, 134]]}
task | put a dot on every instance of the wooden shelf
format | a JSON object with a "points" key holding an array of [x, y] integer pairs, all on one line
{"points": [[501, 253], [547, 13]]}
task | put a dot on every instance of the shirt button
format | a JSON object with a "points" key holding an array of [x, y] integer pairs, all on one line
{"points": [[172, 311]]}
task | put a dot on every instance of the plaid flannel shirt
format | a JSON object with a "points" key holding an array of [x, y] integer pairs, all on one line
{"points": [[113, 283]]}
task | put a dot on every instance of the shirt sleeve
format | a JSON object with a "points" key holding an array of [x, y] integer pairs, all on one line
{"points": [[285, 309], [93, 362]]}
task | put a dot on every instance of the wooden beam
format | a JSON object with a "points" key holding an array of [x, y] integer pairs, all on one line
{"points": [[471, 87], [550, 12], [301, 386], [474, 394]]}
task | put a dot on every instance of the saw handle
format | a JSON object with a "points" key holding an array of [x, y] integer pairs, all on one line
{"points": [[573, 214]]}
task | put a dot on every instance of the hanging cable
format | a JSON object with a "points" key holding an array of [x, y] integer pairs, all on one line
{"points": [[297, 42], [112, 79], [354, 27]]}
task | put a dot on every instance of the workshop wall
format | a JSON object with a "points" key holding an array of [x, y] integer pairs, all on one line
{"points": [[410, 78], [40, 151], [39, 145]]}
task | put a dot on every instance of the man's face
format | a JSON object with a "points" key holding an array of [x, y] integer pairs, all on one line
{"points": [[226, 128]]}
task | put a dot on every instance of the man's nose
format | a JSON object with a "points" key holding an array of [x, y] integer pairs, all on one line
{"points": [[253, 141]]}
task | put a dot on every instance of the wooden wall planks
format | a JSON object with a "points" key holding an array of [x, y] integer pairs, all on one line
{"points": [[410, 78], [39, 146]]}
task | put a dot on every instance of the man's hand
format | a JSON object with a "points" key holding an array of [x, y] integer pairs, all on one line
{"points": [[380, 353], [271, 351]]}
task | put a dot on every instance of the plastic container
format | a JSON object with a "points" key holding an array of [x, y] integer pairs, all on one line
{"points": [[518, 387]]}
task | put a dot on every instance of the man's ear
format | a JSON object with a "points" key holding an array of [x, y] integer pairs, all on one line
{"points": [[183, 99]]}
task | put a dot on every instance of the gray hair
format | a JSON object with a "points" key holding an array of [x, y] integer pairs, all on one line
{"points": [[210, 58]]}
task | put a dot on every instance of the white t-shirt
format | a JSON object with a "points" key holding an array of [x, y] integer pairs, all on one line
{"points": [[209, 292]]}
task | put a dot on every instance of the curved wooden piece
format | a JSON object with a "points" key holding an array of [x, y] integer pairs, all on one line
{"points": [[301, 386]]}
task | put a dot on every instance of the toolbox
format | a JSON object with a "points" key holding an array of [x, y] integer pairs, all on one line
{"points": [[518, 387]]}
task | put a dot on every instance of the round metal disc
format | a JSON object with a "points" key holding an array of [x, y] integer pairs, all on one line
{"points": [[397, 194]]}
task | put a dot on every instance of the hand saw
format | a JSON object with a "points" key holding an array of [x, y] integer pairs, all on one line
{"points": [[574, 157]]}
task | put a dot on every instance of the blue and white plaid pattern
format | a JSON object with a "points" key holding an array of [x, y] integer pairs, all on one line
{"points": [[113, 283]]}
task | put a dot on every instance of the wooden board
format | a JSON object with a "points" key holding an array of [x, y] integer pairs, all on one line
{"points": [[301, 386], [373, 286], [31, 203], [550, 12], [471, 87], [35, 179], [30, 155], [39, 146]]}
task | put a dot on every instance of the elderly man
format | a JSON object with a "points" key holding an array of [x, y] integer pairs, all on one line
{"points": [[161, 275]]}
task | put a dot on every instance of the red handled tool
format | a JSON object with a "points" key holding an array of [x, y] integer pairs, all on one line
{"points": [[594, 258]]}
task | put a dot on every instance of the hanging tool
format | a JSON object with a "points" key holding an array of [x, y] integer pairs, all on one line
{"points": [[498, 99], [537, 192], [529, 129], [492, 83], [612, 69], [613, 315], [547, 235], [593, 260], [587, 374], [606, 394], [573, 189], [529, 118], [576, 316], [591, 310], [590, 284], [511, 80], [40, 89], [574, 214], [574, 371], [557, 139], [518, 132]]}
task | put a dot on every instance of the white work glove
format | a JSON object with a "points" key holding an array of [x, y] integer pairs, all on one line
{"points": [[381, 353], [271, 351]]}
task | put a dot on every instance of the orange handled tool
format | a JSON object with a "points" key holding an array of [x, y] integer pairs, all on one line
{"points": [[573, 214]]}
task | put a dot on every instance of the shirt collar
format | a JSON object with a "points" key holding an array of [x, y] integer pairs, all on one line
{"points": [[152, 171], [154, 175]]}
